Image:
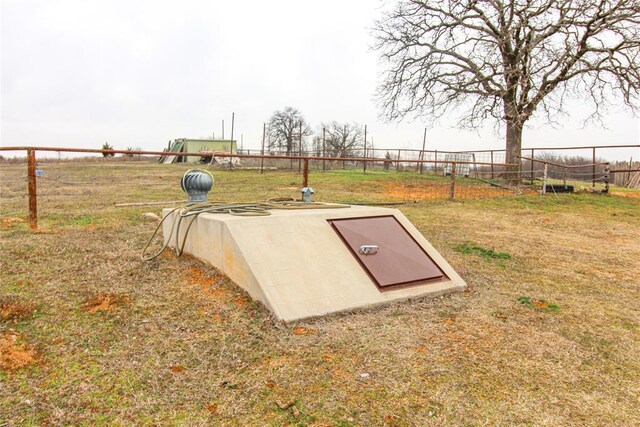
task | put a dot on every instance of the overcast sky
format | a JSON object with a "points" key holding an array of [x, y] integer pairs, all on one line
{"points": [[139, 73]]}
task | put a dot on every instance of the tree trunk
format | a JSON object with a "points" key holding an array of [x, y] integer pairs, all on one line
{"points": [[513, 149], [289, 144]]}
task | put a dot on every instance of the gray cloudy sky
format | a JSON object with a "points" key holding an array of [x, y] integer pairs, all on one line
{"points": [[138, 73]]}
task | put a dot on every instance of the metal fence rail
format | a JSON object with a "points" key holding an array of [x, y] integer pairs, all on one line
{"points": [[427, 175]]}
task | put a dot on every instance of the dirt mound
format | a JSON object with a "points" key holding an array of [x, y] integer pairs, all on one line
{"points": [[14, 355]]}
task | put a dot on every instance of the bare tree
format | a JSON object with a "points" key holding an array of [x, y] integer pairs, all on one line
{"points": [[316, 145], [506, 59], [343, 139], [286, 129]]}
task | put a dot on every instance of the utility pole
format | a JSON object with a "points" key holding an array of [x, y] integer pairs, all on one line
{"points": [[232, 123], [324, 150], [300, 145], [424, 142], [264, 131], [364, 163]]}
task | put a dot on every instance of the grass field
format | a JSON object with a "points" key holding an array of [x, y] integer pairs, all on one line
{"points": [[548, 332]]}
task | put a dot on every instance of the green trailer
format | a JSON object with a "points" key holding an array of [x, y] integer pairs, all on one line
{"points": [[184, 145]]}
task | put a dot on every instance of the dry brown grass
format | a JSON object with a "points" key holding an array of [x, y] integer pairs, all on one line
{"points": [[13, 309], [185, 346]]}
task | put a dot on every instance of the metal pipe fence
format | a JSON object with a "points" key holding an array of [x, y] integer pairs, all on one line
{"points": [[55, 187]]}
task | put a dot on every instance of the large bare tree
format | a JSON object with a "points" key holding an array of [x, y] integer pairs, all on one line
{"points": [[343, 139], [286, 129], [507, 60]]}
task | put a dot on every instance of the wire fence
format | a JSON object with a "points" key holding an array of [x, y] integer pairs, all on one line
{"points": [[402, 158], [85, 187]]}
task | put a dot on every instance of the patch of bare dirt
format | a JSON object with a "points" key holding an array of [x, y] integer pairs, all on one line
{"points": [[441, 191], [14, 355], [301, 330], [207, 282], [14, 309], [633, 195], [105, 302], [9, 221], [241, 301], [541, 304], [177, 369]]}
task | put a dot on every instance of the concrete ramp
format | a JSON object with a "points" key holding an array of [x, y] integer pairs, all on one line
{"points": [[307, 263]]}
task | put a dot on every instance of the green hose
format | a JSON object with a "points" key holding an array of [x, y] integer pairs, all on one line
{"points": [[192, 210]]}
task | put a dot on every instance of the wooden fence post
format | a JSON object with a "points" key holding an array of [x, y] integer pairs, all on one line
{"points": [[531, 161], [33, 202]]}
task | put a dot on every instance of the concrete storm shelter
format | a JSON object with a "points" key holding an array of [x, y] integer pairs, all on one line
{"points": [[312, 262]]}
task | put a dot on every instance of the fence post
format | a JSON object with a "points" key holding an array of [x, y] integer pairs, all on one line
{"points": [[531, 161], [435, 164], [33, 202], [452, 188], [398, 162], [475, 165], [544, 179], [424, 143], [606, 177], [491, 164]]}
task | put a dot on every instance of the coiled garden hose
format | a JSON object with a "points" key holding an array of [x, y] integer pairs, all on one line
{"points": [[192, 210]]}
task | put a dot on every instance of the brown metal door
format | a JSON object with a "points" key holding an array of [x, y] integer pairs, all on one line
{"points": [[386, 251]]}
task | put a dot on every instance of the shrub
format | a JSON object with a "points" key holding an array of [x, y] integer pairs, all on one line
{"points": [[106, 146]]}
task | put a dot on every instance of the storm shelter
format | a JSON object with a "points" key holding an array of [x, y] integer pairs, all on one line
{"points": [[312, 262]]}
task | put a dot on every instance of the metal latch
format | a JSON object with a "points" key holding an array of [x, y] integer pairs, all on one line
{"points": [[368, 249]]}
